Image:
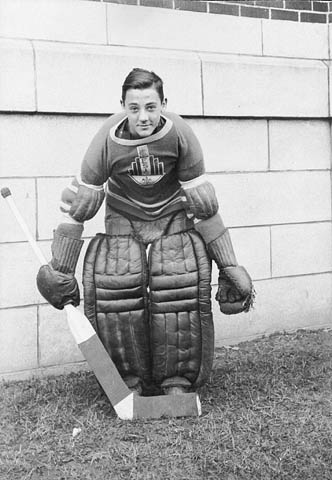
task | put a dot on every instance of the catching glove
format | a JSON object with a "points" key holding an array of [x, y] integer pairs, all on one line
{"points": [[235, 293]]}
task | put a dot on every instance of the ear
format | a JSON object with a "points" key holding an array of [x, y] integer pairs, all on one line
{"points": [[164, 105], [122, 103]]}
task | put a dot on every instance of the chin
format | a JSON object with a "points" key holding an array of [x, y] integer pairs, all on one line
{"points": [[144, 133]]}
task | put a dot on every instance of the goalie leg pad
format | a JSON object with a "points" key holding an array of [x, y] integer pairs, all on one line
{"points": [[115, 301], [182, 334]]}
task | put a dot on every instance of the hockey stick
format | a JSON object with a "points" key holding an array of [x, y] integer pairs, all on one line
{"points": [[127, 405]]}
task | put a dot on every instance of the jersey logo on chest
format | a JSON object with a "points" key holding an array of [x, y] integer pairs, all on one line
{"points": [[146, 169]]}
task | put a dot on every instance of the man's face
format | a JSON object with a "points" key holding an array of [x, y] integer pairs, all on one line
{"points": [[143, 108]]}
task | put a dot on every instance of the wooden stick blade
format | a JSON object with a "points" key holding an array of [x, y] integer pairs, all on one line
{"points": [[184, 405]]}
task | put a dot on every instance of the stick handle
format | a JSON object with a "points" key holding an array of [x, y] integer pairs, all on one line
{"points": [[5, 192]]}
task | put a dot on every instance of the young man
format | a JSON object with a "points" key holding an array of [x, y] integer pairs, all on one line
{"points": [[147, 280]]}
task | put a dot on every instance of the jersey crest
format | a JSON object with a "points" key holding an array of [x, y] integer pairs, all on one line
{"points": [[146, 169]]}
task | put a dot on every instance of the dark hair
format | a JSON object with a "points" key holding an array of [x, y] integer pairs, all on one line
{"points": [[140, 78]]}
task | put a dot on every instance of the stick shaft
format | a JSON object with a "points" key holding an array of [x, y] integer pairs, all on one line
{"points": [[25, 229]]}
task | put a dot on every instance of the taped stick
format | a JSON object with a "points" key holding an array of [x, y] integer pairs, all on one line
{"points": [[127, 405]]}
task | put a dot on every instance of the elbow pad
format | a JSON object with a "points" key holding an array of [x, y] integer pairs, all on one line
{"points": [[201, 197], [81, 201]]}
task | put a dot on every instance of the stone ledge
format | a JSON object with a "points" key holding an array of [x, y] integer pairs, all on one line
{"points": [[163, 28], [264, 86], [72, 78], [300, 40], [88, 79]]}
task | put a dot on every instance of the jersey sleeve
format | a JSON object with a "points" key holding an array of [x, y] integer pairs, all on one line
{"points": [[82, 198], [191, 161]]}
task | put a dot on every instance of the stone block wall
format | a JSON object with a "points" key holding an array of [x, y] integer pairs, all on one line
{"points": [[255, 91]]}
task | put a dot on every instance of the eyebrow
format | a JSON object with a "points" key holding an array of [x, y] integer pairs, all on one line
{"points": [[136, 103]]}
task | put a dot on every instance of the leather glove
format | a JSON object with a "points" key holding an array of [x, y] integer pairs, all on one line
{"points": [[235, 292], [58, 288], [56, 281]]}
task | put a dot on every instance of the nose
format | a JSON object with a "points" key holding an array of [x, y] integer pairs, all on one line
{"points": [[143, 115]]}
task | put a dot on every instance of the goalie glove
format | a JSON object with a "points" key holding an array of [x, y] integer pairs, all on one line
{"points": [[235, 289], [56, 281], [58, 288]]}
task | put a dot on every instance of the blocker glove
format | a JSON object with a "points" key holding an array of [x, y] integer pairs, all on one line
{"points": [[58, 288], [235, 291], [56, 281]]}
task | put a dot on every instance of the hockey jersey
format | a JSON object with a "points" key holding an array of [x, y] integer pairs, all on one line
{"points": [[142, 175]]}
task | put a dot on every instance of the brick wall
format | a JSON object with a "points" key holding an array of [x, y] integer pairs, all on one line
{"points": [[313, 11], [256, 93]]}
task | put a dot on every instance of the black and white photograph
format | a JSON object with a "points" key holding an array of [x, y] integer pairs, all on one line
{"points": [[165, 240]]}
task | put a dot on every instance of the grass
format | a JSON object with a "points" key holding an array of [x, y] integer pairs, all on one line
{"points": [[267, 414]]}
